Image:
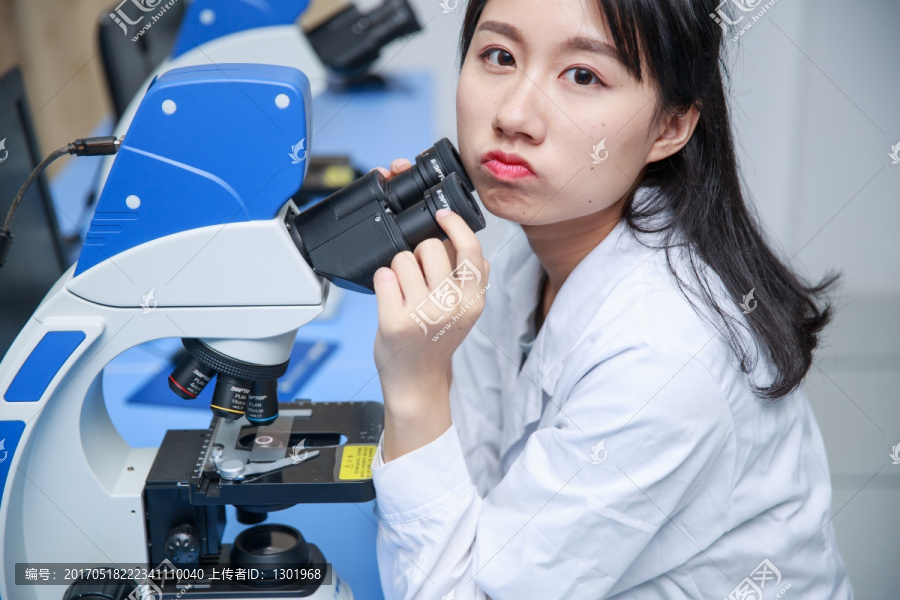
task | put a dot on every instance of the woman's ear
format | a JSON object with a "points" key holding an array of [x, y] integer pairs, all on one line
{"points": [[674, 132]]}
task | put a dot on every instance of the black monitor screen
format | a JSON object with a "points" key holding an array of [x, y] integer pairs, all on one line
{"points": [[35, 259]]}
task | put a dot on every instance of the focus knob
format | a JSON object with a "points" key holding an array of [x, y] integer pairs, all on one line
{"points": [[182, 545]]}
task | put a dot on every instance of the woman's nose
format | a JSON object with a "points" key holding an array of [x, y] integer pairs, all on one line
{"points": [[523, 110]]}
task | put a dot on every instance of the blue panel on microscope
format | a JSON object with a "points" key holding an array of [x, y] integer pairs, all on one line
{"points": [[207, 20], [42, 365], [10, 433], [209, 145]]}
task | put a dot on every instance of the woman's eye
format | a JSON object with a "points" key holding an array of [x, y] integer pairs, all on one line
{"points": [[583, 76], [506, 56]]}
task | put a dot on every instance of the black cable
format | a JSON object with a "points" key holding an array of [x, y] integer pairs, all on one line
{"points": [[96, 146], [34, 175]]}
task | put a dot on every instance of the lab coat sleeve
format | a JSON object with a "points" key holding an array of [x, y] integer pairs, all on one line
{"points": [[475, 405], [568, 520]]}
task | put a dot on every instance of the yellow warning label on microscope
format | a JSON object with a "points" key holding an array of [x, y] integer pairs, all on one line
{"points": [[356, 462]]}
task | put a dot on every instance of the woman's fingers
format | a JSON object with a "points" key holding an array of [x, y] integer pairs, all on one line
{"points": [[412, 281], [470, 269], [388, 292], [434, 262], [451, 251], [397, 166], [463, 239]]}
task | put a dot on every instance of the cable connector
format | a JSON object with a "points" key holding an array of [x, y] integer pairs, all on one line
{"points": [[94, 146]]}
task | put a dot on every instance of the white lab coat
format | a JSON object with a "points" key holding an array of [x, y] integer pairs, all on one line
{"points": [[628, 459]]}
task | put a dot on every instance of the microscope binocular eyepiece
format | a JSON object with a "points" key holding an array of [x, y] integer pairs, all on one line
{"points": [[242, 389], [358, 229]]}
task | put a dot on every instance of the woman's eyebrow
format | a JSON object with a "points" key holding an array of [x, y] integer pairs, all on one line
{"points": [[574, 44]]}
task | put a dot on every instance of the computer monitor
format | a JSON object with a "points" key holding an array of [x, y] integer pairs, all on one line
{"points": [[36, 259]]}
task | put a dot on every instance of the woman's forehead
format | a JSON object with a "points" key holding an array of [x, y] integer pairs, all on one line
{"points": [[562, 27], [537, 20]]}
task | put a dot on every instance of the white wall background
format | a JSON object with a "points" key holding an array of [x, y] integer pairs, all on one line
{"points": [[815, 104]]}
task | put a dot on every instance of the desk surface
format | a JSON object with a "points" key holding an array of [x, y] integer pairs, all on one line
{"points": [[373, 127]]}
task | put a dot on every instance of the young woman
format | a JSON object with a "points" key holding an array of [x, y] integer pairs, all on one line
{"points": [[623, 417]]}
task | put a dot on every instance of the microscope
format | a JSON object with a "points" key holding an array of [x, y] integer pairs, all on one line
{"points": [[197, 208], [333, 42]]}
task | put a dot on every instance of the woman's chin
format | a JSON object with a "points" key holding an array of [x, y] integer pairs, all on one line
{"points": [[506, 205]]}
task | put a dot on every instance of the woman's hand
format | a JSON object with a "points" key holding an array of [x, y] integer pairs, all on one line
{"points": [[428, 301]]}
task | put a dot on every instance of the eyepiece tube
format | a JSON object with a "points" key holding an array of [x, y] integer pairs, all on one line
{"points": [[419, 222], [352, 233]]}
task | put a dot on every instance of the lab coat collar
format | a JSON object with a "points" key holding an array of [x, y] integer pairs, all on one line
{"points": [[579, 299]]}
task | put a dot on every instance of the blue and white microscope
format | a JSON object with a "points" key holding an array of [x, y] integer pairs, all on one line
{"points": [[195, 237], [338, 42]]}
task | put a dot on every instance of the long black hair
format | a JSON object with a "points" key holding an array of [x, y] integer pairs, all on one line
{"points": [[698, 188]]}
